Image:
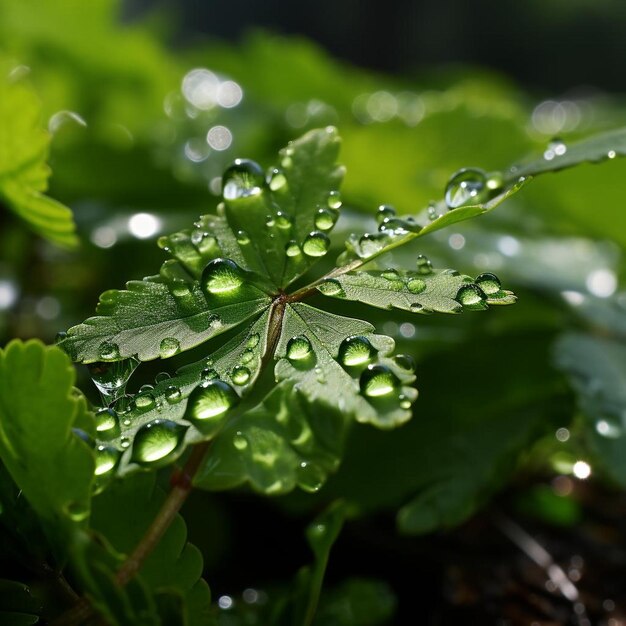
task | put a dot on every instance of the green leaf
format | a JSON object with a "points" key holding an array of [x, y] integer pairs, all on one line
{"points": [[174, 566], [282, 443], [38, 408], [149, 320], [356, 377], [596, 368], [18, 607], [279, 216], [23, 170], [422, 291]]}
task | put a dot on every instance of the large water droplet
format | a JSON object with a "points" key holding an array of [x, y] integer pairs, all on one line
{"points": [[378, 381], [240, 375], [424, 266], [111, 378], [247, 356], [316, 244], [405, 362], [466, 187], [156, 440], [109, 351], [210, 401], [292, 249], [221, 276], [173, 394], [371, 244], [298, 348], [243, 238], [489, 283], [331, 287], [106, 459], [356, 350], [325, 218], [169, 347], [144, 400], [283, 220], [253, 340], [471, 297], [106, 420], [243, 179], [310, 477], [334, 200]]}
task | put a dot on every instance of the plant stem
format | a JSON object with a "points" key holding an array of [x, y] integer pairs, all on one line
{"points": [[181, 488]]}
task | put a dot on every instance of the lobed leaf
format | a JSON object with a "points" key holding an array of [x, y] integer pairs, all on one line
{"points": [[38, 410]]}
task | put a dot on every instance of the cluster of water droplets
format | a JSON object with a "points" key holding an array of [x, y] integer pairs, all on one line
{"points": [[474, 296]]}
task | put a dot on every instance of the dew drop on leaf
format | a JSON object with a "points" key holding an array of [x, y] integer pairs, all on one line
{"points": [[173, 394], [356, 350], [432, 212], [106, 420], [240, 375], [471, 297], [325, 218], [210, 401], [221, 276], [106, 459], [489, 283], [243, 238], [239, 441], [416, 285], [253, 340], [277, 180], [111, 378], [60, 336], [298, 348], [179, 288], [125, 442], [161, 377], [310, 477], [391, 274], [247, 356], [270, 221], [424, 266], [371, 244], [109, 351], [466, 187], [168, 347], [405, 362], [416, 307], [208, 373], [144, 400], [334, 200], [316, 244], [331, 287], [292, 249], [556, 148], [243, 179], [156, 440], [283, 220], [385, 211], [378, 381], [405, 403]]}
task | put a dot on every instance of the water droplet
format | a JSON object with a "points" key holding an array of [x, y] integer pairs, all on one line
{"points": [[144, 400], [471, 297], [270, 221], [156, 440], [396, 226], [385, 211], [370, 244], [495, 181], [209, 402], [310, 477], [555, 149], [179, 288], [424, 266], [208, 373], [316, 244], [298, 348], [240, 375], [391, 274], [125, 442], [334, 200], [405, 403], [109, 351], [203, 242], [377, 381], [283, 220], [466, 187], [106, 459], [124, 404], [416, 285], [489, 283], [106, 420], [277, 180], [405, 362], [331, 287], [60, 336], [111, 377], [78, 511], [221, 276], [161, 377], [292, 249], [319, 375], [169, 347], [243, 238], [432, 212], [325, 218], [253, 340], [416, 307], [243, 179], [247, 356], [611, 154], [173, 394], [356, 350], [239, 441]]}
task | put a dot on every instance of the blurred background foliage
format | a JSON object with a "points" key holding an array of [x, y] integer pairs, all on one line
{"points": [[145, 110]]}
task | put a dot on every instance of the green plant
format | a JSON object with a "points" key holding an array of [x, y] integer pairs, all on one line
{"points": [[231, 418]]}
